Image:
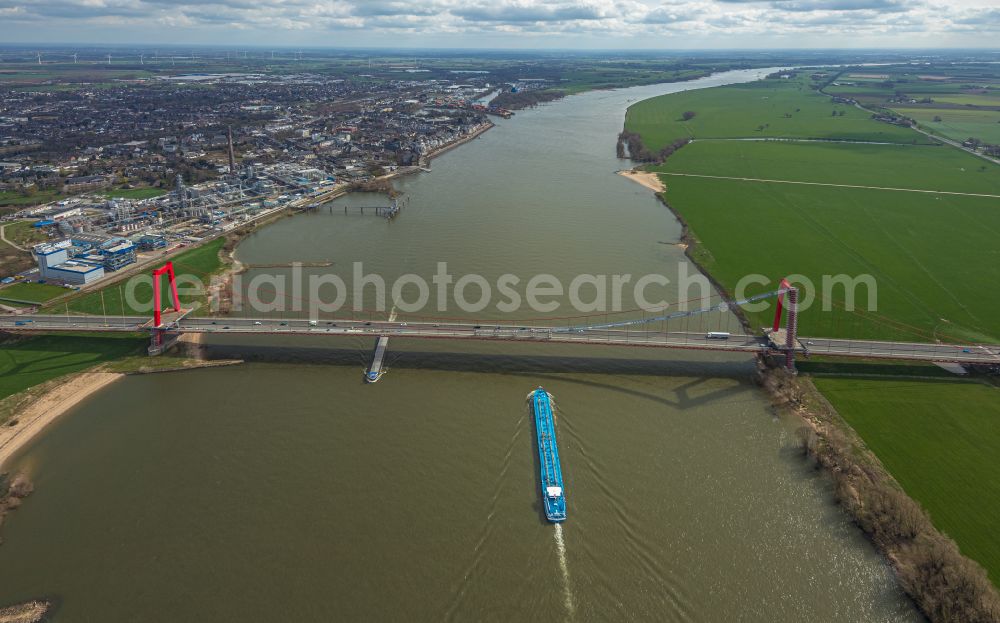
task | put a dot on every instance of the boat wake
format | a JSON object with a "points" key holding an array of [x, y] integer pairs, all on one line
{"points": [[564, 567], [479, 551]]}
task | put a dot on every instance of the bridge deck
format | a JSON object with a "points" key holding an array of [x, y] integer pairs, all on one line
{"points": [[981, 353]]}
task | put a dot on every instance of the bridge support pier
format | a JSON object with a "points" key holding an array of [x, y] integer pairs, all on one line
{"points": [[161, 341], [791, 329]]}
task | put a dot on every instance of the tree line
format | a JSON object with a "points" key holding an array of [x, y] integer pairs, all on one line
{"points": [[630, 145]]}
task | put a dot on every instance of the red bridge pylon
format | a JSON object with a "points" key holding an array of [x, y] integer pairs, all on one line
{"points": [[167, 269], [791, 322]]}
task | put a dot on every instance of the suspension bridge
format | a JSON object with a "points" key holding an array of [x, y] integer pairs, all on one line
{"points": [[652, 331]]}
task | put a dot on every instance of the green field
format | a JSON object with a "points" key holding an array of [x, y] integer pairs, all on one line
{"points": [[135, 193], [918, 247], [36, 360], [940, 440], [16, 199], [894, 166], [987, 98], [765, 109], [31, 292], [957, 123], [201, 262]]}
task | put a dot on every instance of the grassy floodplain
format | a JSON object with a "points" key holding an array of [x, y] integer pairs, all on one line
{"points": [[918, 246], [35, 360], [935, 258], [895, 166], [939, 440]]}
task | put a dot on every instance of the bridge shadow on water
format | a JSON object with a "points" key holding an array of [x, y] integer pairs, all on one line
{"points": [[693, 392], [485, 362]]}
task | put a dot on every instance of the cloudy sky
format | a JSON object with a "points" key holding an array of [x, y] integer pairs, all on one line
{"points": [[672, 24]]}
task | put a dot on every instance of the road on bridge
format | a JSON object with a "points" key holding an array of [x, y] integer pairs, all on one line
{"points": [[981, 353]]}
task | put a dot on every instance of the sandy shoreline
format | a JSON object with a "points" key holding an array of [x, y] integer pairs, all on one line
{"points": [[33, 419], [649, 180]]}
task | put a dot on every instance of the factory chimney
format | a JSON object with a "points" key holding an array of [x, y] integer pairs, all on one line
{"points": [[232, 155]]}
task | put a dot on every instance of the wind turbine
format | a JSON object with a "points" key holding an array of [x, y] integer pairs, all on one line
{"points": [[109, 59], [39, 58], [74, 57], [140, 59]]}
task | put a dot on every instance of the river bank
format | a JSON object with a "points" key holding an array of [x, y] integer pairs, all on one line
{"points": [[945, 585], [43, 404], [28, 413], [434, 153]]}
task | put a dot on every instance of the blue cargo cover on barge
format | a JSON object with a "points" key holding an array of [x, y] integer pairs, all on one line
{"points": [[548, 454]]}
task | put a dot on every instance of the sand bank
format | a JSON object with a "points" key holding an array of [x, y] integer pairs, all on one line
{"points": [[32, 419], [649, 180]]}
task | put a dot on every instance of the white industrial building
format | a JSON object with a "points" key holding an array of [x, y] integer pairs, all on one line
{"points": [[54, 264]]}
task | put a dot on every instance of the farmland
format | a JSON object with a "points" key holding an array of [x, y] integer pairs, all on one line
{"points": [[773, 108], [904, 166], [957, 123], [939, 440], [957, 102], [917, 246], [925, 291]]}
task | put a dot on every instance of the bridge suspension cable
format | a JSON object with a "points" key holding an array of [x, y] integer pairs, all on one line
{"points": [[723, 306]]}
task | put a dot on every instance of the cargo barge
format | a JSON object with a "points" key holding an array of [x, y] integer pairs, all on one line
{"points": [[375, 370], [553, 497]]}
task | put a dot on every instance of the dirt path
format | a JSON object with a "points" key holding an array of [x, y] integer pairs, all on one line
{"points": [[776, 139], [904, 190], [43, 411], [3, 236]]}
